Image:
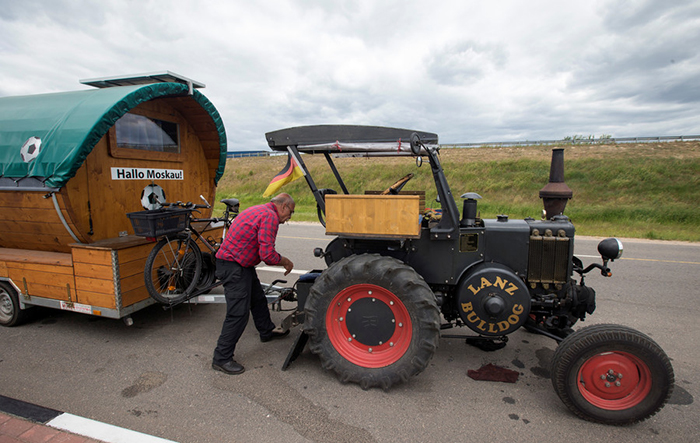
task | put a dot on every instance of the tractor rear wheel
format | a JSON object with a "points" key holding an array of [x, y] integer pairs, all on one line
{"points": [[612, 374], [373, 320]]}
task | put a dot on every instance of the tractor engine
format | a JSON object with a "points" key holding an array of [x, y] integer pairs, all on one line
{"points": [[527, 269]]}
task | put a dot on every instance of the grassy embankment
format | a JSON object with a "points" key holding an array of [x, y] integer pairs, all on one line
{"points": [[646, 190]]}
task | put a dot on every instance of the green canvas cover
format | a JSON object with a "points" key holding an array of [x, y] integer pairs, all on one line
{"points": [[69, 125]]}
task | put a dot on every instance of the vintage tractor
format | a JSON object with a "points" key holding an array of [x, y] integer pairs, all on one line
{"points": [[397, 275]]}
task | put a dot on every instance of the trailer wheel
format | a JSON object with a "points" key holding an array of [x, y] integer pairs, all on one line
{"points": [[172, 269], [612, 374], [10, 312], [373, 320]]}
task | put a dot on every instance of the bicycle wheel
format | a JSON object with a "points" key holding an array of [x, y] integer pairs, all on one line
{"points": [[172, 269]]}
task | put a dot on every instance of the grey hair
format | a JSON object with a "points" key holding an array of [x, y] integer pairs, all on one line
{"points": [[283, 199]]}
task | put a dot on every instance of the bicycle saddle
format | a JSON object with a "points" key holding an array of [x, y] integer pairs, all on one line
{"points": [[232, 203]]}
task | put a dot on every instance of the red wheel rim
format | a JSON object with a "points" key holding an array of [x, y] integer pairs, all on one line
{"points": [[375, 355], [614, 380]]}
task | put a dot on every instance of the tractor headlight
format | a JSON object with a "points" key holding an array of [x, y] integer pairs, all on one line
{"points": [[610, 249]]}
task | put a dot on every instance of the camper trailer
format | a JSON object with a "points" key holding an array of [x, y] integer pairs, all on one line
{"points": [[73, 164]]}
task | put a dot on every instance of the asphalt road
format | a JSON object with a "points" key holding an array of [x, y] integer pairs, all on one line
{"points": [[155, 377]]}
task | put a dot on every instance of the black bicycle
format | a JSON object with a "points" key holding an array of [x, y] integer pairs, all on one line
{"points": [[176, 268]]}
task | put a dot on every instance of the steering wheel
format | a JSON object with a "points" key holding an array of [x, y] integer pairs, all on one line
{"points": [[398, 185]]}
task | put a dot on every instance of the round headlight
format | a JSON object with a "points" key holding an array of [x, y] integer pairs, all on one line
{"points": [[610, 248]]}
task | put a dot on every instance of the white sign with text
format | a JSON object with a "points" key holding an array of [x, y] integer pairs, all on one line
{"points": [[147, 174]]}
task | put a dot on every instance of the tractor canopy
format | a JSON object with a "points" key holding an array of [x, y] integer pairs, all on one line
{"points": [[337, 139], [364, 141]]}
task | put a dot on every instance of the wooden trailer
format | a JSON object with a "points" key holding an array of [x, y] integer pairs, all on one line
{"points": [[73, 164]]}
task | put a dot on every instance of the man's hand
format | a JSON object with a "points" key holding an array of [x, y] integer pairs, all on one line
{"points": [[288, 265]]}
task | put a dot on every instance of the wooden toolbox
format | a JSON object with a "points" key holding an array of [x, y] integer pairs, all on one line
{"points": [[379, 216]]}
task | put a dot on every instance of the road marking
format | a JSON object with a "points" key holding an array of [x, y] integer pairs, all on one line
{"points": [[646, 259], [301, 271], [101, 431], [304, 238], [663, 261], [278, 269]]}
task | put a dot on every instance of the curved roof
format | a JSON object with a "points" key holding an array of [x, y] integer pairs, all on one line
{"points": [[347, 139], [69, 125]]}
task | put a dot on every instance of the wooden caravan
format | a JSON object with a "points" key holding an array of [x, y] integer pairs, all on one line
{"points": [[73, 164]]}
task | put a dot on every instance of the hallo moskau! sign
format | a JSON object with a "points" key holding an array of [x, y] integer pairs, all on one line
{"points": [[147, 174]]}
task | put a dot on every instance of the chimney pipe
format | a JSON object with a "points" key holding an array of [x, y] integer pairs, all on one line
{"points": [[556, 193]]}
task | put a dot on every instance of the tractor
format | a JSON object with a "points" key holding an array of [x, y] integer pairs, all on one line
{"points": [[398, 274]]}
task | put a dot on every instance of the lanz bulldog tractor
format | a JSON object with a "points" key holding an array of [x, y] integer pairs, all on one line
{"points": [[397, 275]]}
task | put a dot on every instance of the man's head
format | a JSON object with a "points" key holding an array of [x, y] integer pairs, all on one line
{"points": [[284, 203]]}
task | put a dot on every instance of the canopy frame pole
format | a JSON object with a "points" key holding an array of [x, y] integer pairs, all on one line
{"points": [[63, 220], [336, 173], [309, 180]]}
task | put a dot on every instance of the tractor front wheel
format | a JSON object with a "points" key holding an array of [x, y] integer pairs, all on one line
{"points": [[373, 320], [612, 374]]}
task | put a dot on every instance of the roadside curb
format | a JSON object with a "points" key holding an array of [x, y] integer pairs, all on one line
{"points": [[74, 424]]}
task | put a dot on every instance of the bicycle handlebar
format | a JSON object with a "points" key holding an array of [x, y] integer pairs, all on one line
{"points": [[188, 205]]}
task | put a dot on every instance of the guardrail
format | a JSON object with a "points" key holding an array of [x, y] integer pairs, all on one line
{"points": [[566, 141], [239, 154], [577, 141]]}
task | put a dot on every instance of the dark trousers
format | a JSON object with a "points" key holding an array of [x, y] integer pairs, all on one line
{"points": [[243, 293]]}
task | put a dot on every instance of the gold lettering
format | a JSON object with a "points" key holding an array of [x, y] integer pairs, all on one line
{"points": [[518, 309], [481, 325], [513, 319], [511, 289], [492, 328], [484, 283], [503, 326], [466, 307], [474, 290], [472, 317], [500, 283]]}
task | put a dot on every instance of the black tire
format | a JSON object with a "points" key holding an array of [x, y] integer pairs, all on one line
{"points": [[208, 275], [612, 374], [10, 312], [172, 269], [394, 329]]}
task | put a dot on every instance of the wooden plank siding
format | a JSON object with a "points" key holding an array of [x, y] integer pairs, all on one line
{"points": [[30, 221], [39, 273], [132, 262], [110, 271]]}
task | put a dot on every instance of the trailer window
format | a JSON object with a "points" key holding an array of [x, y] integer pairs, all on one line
{"points": [[148, 134]]}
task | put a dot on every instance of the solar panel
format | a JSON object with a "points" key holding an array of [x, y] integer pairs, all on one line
{"points": [[142, 79]]}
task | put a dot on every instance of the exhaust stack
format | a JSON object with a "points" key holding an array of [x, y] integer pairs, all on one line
{"points": [[556, 193]]}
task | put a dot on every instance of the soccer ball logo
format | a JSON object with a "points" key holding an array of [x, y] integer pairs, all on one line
{"points": [[152, 197], [30, 149]]}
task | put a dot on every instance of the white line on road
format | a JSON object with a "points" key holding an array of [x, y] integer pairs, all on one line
{"points": [[276, 269], [645, 259]]}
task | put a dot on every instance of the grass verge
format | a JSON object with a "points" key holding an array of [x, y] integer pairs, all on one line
{"points": [[648, 190]]}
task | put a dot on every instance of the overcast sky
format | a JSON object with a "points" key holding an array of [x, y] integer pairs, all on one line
{"points": [[469, 70]]}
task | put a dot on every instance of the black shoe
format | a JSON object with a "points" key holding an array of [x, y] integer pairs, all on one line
{"points": [[273, 335], [230, 367]]}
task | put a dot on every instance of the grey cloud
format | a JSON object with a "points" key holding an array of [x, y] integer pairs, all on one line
{"points": [[649, 56], [464, 62]]}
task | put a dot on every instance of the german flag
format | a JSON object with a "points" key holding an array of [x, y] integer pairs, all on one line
{"points": [[288, 174]]}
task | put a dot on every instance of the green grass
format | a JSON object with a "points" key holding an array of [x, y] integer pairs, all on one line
{"points": [[643, 191]]}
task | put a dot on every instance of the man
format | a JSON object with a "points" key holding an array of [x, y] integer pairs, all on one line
{"points": [[250, 240]]}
